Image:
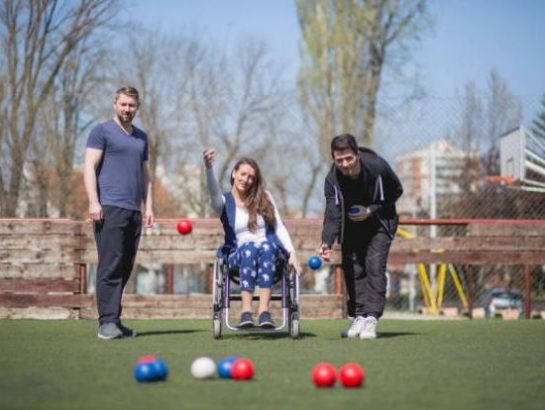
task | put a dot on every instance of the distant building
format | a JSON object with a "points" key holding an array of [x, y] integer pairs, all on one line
{"points": [[414, 171]]}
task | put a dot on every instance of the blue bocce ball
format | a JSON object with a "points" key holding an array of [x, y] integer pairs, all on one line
{"points": [[224, 367], [145, 372], [161, 369], [314, 262]]}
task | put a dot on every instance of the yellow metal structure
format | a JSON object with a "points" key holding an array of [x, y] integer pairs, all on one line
{"points": [[434, 300]]}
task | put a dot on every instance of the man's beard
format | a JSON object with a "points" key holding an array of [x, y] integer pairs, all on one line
{"points": [[125, 119]]}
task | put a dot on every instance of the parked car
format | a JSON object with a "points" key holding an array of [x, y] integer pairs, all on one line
{"points": [[497, 299]]}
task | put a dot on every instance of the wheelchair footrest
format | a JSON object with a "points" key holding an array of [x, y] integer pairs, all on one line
{"points": [[238, 297]]}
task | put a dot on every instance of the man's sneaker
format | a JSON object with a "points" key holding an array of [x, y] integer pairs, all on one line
{"points": [[109, 331], [265, 320], [127, 332], [355, 328], [246, 320], [369, 330]]}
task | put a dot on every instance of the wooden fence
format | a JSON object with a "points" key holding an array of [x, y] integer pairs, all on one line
{"points": [[43, 263]]}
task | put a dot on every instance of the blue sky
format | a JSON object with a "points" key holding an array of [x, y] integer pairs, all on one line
{"points": [[470, 37], [474, 36], [229, 21]]}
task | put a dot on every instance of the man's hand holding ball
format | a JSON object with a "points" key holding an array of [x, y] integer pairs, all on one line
{"points": [[358, 213]]}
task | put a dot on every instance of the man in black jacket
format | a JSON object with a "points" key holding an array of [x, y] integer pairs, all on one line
{"points": [[361, 190]]}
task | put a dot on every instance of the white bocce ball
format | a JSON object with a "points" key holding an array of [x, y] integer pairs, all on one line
{"points": [[203, 368]]}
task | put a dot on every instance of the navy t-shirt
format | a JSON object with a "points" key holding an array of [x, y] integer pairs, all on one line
{"points": [[120, 172]]}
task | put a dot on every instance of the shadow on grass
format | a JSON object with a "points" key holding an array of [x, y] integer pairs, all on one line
{"points": [[167, 332], [385, 335], [260, 334]]}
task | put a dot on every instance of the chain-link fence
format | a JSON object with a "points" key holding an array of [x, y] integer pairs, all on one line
{"points": [[467, 157], [471, 157], [493, 289], [449, 155]]}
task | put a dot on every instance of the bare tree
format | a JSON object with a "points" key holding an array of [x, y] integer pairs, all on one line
{"points": [[331, 79], [503, 113], [203, 99], [314, 173], [253, 104], [235, 104], [38, 38], [37, 172], [195, 95], [390, 24], [346, 45], [3, 128], [155, 60], [68, 113], [470, 133]]}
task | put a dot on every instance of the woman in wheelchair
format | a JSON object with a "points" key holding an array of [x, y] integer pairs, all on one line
{"points": [[255, 237]]}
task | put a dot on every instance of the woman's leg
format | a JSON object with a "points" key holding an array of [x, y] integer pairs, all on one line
{"points": [[246, 300], [244, 259], [267, 257], [264, 299]]}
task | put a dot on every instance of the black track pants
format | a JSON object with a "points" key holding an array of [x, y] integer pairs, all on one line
{"points": [[364, 265], [117, 240]]}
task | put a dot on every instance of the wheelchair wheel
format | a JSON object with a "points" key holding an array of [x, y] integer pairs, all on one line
{"points": [[217, 300], [216, 328], [293, 301], [294, 325]]}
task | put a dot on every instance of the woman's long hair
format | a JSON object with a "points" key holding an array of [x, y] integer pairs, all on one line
{"points": [[257, 201]]}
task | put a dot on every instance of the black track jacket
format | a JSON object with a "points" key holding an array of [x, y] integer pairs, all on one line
{"points": [[381, 183]]}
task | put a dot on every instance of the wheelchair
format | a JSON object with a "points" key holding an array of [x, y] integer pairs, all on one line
{"points": [[222, 296]]}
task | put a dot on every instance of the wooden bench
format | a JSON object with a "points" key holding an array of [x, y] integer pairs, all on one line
{"points": [[43, 262]]}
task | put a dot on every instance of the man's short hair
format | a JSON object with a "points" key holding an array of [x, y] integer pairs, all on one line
{"points": [[129, 91], [342, 142]]}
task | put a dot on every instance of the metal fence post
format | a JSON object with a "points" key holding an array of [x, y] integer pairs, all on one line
{"points": [[527, 292]]}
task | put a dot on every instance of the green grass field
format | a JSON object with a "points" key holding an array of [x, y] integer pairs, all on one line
{"points": [[489, 364]]}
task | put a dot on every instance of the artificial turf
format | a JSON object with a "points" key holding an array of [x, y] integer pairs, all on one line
{"points": [[413, 365]]}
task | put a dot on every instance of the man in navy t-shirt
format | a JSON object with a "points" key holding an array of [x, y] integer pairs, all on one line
{"points": [[118, 187]]}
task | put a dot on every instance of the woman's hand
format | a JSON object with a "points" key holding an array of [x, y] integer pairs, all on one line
{"points": [[208, 155], [294, 263]]}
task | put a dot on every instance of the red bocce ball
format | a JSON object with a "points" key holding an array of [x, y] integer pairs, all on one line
{"points": [[184, 226], [351, 375], [323, 375], [242, 369], [147, 359]]}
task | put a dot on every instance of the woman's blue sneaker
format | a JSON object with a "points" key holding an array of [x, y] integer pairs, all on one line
{"points": [[246, 320], [265, 320]]}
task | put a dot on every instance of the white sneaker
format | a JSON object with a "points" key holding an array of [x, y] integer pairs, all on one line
{"points": [[369, 328], [356, 327]]}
